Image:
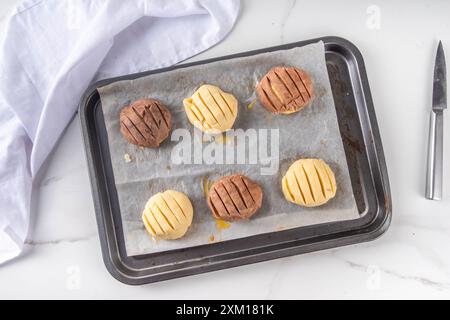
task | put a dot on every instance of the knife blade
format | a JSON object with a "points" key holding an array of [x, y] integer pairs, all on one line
{"points": [[434, 183], [439, 80]]}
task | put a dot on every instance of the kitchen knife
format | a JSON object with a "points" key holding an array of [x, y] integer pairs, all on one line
{"points": [[436, 136]]}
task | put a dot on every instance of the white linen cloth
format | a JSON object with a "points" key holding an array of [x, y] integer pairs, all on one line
{"points": [[53, 49]]}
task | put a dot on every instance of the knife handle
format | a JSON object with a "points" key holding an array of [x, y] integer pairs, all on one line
{"points": [[435, 156]]}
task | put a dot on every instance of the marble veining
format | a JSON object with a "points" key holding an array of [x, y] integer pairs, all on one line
{"points": [[31, 242], [285, 18], [421, 280]]}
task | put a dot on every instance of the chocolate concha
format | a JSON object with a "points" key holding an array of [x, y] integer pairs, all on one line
{"points": [[285, 90], [234, 197], [146, 123]]}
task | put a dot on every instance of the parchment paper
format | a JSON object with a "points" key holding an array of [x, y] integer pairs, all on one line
{"points": [[312, 132]]}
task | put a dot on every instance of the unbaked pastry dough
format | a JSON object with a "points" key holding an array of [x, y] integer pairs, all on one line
{"points": [[146, 123], [309, 183], [211, 110], [285, 90], [234, 198], [168, 215]]}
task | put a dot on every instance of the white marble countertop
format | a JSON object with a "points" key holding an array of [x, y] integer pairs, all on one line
{"points": [[412, 260]]}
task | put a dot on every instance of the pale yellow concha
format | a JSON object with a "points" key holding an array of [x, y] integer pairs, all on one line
{"points": [[211, 110], [309, 183], [168, 215]]}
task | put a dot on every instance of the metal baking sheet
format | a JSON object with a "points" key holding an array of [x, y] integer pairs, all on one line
{"points": [[149, 171], [366, 166]]}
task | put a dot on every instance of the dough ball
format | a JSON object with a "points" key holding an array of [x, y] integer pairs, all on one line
{"points": [[211, 110], [234, 198], [168, 215], [309, 183], [285, 90], [146, 123]]}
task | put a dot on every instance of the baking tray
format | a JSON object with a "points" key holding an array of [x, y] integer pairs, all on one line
{"points": [[365, 158]]}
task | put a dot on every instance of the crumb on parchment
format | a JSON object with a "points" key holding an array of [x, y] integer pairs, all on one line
{"points": [[251, 104], [221, 225], [127, 158]]}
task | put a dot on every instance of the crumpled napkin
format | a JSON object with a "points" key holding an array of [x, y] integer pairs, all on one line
{"points": [[53, 49]]}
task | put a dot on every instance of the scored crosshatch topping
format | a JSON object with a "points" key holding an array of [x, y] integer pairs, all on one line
{"points": [[146, 123], [168, 215], [211, 110], [234, 198], [285, 90], [309, 183]]}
